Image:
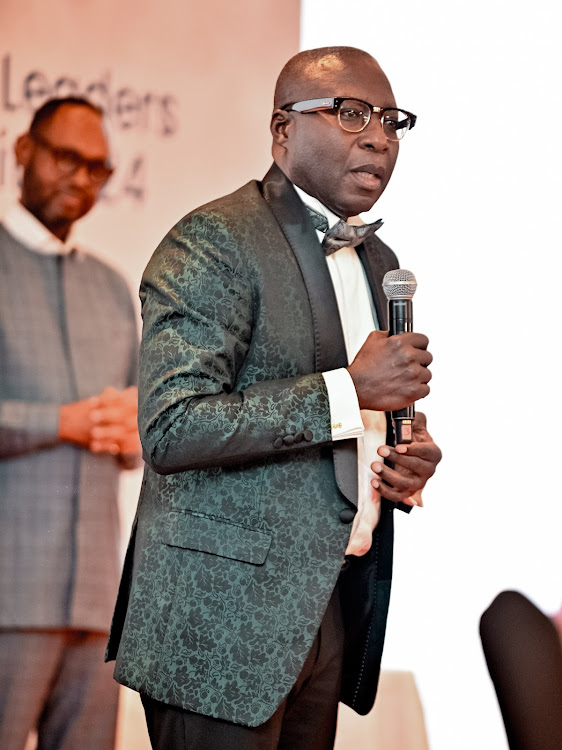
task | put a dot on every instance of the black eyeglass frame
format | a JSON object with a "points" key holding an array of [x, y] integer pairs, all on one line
{"points": [[334, 102], [98, 170]]}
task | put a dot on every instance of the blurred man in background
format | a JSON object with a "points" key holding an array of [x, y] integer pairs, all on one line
{"points": [[68, 368]]}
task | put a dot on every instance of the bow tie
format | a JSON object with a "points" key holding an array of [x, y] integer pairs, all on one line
{"points": [[341, 234]]}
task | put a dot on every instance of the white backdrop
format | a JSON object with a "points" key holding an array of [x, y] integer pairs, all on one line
{"points": [[472, 209]]}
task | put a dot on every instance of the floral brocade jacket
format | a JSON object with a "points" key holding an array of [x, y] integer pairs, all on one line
{"points": [[239, 536]]}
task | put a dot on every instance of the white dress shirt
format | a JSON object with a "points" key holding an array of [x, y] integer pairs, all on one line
{"points": [[357, 318], [28, 230]]}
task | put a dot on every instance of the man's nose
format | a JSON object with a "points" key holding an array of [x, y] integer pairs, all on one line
{"points": [[373, 136], [81, 177]]}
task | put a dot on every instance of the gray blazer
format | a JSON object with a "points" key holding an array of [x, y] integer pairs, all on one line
{"points": [[67, 330]]}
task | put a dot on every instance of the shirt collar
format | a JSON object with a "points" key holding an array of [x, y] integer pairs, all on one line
{"points": [[315, 204], [26, 228]]}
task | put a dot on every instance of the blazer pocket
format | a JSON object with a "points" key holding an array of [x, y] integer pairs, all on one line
{"points": [[216, 536]]}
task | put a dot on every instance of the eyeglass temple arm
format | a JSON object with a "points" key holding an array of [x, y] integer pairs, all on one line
{"points": [[313, 104]]}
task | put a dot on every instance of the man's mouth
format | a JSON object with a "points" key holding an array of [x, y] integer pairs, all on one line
{"points": [[72, 197], [369, 175]]}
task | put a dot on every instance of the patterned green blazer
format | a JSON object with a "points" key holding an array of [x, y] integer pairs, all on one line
{"points": [[240, 535]]}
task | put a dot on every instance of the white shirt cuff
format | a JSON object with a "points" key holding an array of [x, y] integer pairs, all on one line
{"points": [[345, 416]]}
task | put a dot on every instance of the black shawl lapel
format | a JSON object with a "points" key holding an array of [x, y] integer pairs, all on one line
{"points": [[370, 256], [329, 353], [291, 215]]}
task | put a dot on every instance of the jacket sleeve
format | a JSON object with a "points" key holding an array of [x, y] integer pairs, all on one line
{"points": [[199, 302], [26, 427]]}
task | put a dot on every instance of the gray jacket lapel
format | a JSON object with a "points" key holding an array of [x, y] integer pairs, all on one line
{"points": [[329, 353]]}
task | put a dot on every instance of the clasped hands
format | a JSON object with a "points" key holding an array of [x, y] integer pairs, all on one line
{"points": [[414, 464], [390, 373], [103, 424]]}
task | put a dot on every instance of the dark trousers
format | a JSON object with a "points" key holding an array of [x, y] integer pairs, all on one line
{"points": [[305, 720]]}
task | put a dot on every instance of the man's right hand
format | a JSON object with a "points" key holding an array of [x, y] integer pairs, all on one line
{"points": [[391, 372], [75, 421], [115, 418]]}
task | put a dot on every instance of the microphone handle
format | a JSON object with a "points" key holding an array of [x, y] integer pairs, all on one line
{"points": [[401, 320]]}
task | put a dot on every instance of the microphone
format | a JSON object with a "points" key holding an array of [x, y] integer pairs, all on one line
{"points": [[399, 287]]}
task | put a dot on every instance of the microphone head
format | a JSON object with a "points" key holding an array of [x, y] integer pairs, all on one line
{"points": [[399, 284]]}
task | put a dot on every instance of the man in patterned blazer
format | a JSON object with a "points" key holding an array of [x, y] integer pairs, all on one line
{"points": [[247, 609], [68, 361]]}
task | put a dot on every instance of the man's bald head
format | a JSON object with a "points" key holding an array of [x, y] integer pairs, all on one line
{"points": [[302, 72], [346, 171]]}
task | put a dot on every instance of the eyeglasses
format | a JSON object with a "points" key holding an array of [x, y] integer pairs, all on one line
{"points": [[69, 161], [354, 115]]}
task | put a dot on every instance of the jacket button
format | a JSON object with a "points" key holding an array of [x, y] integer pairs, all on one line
{"points": [[278, 442], [347, 515], [299, 437], [307, 435], [289, 439]]}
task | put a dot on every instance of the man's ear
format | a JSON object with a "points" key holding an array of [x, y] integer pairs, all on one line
{"points": [[23, 150], [281, 122]]}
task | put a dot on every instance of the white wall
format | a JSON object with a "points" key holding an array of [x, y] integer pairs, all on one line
{"points": [[472, 210]]}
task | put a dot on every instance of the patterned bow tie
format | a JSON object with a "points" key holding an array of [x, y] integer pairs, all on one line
{"points": [[341, 234]]}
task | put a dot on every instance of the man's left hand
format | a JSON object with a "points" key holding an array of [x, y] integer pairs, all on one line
{"points": [[115, 423], [414, 463]]}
